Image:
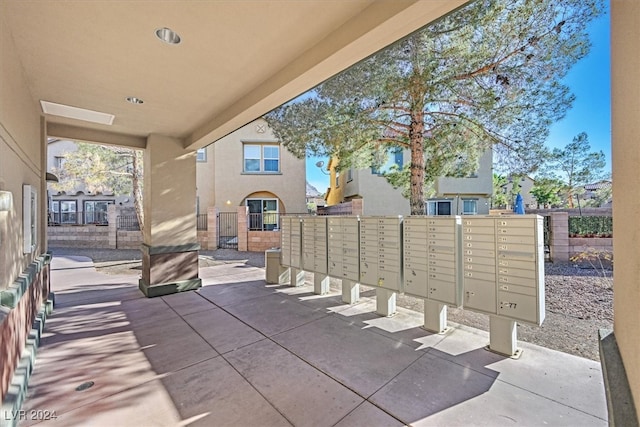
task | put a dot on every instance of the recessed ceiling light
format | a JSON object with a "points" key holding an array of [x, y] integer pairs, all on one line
{"points": [[167, 35], [134, 100], [76, 113]]}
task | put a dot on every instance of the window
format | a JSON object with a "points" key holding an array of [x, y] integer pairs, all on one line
{"points": [[63, 212], [439, 207], [58, 162], [201, 155], [337, 179], [263, 214], [261, 158], [395, 157], [469, 207], [95, 212], [350, 175]]}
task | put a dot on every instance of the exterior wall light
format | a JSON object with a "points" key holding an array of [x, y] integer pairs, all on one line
{"points": [[228, 202]]}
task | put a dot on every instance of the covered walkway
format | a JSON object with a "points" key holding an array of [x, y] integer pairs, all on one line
{"points": [[241, 352]]}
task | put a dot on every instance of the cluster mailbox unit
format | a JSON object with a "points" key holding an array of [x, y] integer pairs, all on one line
{"points": [[489, 264], [344, 247], [503, 260], [291, 242], [381, 252], [314, 244], [431, 267]]}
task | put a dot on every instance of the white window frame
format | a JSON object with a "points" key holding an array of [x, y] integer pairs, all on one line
{"points": [[475, 207], [262, 160], [29, 218]]}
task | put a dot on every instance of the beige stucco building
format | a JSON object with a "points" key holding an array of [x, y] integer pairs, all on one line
{"points": [[453, 196], [250, 167], [79, 205], [140, 92]]}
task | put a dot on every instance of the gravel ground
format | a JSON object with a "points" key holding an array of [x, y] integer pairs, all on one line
{"points": [[579, 300]]}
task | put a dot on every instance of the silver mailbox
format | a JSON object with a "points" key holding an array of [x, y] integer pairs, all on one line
{"points": [[314, 244], [431, 264], [344, 247], [503, 266], [381, 252]]}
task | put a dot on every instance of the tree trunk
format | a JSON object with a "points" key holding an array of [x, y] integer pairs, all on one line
{"points": [[416, 141], [137, 182]]}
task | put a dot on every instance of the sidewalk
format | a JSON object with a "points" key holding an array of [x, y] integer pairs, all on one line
{"points": [[241, 352]]}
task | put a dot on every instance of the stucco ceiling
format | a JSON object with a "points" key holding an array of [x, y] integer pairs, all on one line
{"points": [[237, 59]]}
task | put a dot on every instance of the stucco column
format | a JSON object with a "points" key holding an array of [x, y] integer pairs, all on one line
{"points": [[625, 109], [357, 207], [170, 240], [559, 242], [112, 220], [243, 228]]}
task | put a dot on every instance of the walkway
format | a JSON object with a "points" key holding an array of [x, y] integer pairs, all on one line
{"points": [[239, 352]]}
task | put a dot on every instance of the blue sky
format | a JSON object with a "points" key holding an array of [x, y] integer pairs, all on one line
{"points": [[589, 81]]}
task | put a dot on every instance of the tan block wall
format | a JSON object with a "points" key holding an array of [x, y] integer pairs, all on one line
{"points": [[85, 236], [260, 241], [129, 239]]}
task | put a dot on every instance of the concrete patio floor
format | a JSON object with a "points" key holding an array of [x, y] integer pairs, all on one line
{"points": [[239, 352]]}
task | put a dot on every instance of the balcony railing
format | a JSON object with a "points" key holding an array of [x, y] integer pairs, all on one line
{"points": [[269, 221]]}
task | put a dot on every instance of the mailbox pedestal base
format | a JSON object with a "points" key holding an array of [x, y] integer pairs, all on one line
{"points": [[320, 284], [435, 316], [385, 302], [350, 291], [503, 336], [296, 277]]}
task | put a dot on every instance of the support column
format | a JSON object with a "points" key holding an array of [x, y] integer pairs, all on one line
{"points": [[243, 228], [170, 240], [559, 243], [320, 284], [112, 220], [385, 302], [503, 336], [435, 316], [350, 291], [296, 277], [625, 156]]}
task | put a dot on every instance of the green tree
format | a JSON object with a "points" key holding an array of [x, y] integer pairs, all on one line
{"points": [[488, 74], [500, 199], [577, 165], [104, 169], [547, 192]]}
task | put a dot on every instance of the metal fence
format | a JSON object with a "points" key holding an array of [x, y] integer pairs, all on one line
{"points": [[201, 220], [227, 223], [77, 218], [128, 222], [269, 221]]}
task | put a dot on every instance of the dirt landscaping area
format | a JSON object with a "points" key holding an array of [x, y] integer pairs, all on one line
{"points": [[579, 300]]}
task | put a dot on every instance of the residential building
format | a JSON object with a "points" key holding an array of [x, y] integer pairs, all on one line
{"points": [[80, 205], [249, 167], [454, 196], [523, 185], [464, 196], [598, 194]]}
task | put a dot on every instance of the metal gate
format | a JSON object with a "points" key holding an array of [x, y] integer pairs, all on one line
{"points": [[227, 230], [547, 237]]}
